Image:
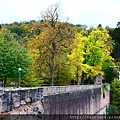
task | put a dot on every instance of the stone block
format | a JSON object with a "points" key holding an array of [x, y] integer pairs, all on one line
{"points": [[27, 100], [16, 104]]}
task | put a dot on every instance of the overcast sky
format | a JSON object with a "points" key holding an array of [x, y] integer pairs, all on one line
{"points": [[88, 12]]}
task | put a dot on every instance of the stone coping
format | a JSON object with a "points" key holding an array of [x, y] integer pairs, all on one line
{"points": [[50, 90]]}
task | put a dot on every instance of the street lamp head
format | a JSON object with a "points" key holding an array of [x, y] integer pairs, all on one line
{"points": [[19, 69]]}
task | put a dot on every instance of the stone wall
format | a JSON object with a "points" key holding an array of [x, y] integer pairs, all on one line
{"points": [[21, 100], [63, 89], [84, 101], [77, 99]]}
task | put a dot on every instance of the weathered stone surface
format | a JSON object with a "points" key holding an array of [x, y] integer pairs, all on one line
{"points": [[88, 101], [27, 100], [0, 105], [23, 102], [98, 79], [85, 99]]}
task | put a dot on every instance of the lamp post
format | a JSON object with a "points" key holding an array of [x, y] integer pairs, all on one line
{"points": [[19, 71]]}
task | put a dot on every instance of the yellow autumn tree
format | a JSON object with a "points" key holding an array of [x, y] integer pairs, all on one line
{"points": [[98, 49], [33, 77], [76, 57], [89, 53]]}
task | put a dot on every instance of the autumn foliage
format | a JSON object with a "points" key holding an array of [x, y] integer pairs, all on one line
{"points": [[54, 51]]}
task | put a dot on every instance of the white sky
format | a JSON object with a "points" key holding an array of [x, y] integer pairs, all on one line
{"points": [[88, 12]]}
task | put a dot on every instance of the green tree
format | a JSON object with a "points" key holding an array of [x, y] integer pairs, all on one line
{"points": [[12, 56], [63, 75], [115, 92], [109, 72], [115, 34]]}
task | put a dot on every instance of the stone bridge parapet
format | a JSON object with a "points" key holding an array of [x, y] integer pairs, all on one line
{"points": [[75, 99], [63, 89]]}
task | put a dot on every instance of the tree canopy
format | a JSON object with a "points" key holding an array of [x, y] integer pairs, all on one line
{"points": [[53, 51], [90, 53], [12, 56]]}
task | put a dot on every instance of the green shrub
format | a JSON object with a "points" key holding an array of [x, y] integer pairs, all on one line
{"points": [[115, 92]]}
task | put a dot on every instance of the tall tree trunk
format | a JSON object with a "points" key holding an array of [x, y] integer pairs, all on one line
{"points": [[52, 76], [52, 69], [5, 80], [79, 80], [77, 76]]}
